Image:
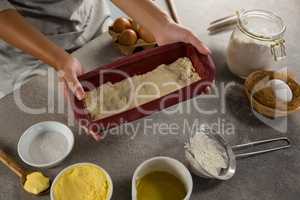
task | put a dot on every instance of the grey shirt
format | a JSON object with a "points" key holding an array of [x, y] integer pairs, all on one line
{"points": [[68, 23]]}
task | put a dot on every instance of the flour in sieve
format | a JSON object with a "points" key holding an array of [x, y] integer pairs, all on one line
{"points": [[48, 147], [208, 153]]}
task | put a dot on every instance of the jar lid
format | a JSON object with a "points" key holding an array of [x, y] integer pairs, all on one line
{"points": [[261, 24]]}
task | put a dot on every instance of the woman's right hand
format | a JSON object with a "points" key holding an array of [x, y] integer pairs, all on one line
{"points": [[22, 35], [69, 73]]}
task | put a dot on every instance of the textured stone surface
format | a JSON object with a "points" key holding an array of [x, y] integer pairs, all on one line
{"points": [[271, 176]]}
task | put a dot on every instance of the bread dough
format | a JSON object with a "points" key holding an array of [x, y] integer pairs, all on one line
{"points": [[110, 99]]}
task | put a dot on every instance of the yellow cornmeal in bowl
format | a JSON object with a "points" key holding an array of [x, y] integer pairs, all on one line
{"points": [[82, 182], [36, 183], [110, 99]]}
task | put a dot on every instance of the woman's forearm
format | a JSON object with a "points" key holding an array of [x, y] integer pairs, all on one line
{"points": [[145, 13], [15, 30]]}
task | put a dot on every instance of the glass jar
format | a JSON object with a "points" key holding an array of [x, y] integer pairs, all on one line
{"points": [[256, 43]]}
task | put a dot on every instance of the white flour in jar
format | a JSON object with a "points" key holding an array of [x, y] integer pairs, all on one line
{"points": [[245, 55], [48, 147], [250, 46], [208, 153]]}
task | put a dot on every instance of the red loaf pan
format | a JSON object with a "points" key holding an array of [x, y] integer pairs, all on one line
{"points": [[137, 64]]}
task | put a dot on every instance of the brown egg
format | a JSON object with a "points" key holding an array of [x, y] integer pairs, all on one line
{"points": [[128, 37], [121, 24], [135, 26], [146, 35]]}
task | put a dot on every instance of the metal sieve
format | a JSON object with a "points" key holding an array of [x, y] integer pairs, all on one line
{"points": [[232, 155]]}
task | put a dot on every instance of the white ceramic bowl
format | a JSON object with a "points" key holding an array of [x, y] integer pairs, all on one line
{"points": [[110, 192], [166, 164], [45, 144]]}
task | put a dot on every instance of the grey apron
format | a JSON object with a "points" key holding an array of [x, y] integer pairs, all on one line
{"points": [[68, 23]]}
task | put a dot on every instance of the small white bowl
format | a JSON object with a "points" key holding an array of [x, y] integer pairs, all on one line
{"points": [[45, 144], [165, 164], [110, 192]]}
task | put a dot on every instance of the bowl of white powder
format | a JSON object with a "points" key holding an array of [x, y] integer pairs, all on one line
{"points": [[45, 144]]}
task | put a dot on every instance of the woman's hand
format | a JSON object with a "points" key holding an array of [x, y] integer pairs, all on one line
{"points": [[173, 32], [68, 73], [21, 34], [69, 76]]}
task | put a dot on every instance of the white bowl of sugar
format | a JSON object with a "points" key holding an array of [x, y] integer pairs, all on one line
{"points": [[45, 144]]}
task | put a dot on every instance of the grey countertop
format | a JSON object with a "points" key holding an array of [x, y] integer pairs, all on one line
{"points": [[271, 176]]}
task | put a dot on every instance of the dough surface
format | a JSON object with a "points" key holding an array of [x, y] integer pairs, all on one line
{"points": [[110, 99]]}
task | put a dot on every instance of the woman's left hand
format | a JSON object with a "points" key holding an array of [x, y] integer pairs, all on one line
{"points": [[177, 33], [173, 32]]}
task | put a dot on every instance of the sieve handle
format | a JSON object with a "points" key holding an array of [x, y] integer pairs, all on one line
{"points": [[257, 143]]}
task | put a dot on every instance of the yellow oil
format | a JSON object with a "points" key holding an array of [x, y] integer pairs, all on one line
{"points": [[160, 185]]}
